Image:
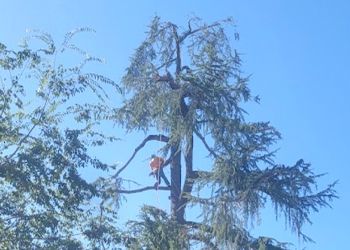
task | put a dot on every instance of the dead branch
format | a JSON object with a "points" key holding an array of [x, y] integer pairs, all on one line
{"points": [[201, 137], [133, 191], [166, 64], [191, 32], [159, 137], [169, 79]]}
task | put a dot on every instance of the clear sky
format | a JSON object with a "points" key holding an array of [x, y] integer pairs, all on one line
{"points": [[297, 52]]}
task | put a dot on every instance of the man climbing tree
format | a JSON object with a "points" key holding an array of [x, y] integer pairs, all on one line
{"points": [[186, 83], [156, 165]]}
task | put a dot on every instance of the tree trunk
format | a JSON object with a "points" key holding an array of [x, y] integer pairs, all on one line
{"points": [[176, 182], [189, 179]]}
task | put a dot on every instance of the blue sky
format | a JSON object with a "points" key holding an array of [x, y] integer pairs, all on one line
{"points": [[297, 52]]}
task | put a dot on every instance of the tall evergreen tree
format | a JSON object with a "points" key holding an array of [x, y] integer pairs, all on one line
{"points": [[186, 83]]}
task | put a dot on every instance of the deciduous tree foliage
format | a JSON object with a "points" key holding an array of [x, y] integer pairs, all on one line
{"points": [[186, 83], [45, 134]]}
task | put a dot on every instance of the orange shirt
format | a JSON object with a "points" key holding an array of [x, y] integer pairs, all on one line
{"points": [[156, 163]]}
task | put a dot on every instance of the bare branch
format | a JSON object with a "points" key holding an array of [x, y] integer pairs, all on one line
{"points": [[133, 191], [159, 137], [32, 128], [169, 79], [200, 237], [205, 240], [166, 64], [189, 179], [23, 139], [191, 32], [198, 173], [201, 137], [198, 225], [178, 51]]}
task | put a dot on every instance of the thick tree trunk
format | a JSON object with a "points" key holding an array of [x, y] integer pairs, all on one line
{"points": [[189, 179], [178, 195], [175, 182], [175, 194]]}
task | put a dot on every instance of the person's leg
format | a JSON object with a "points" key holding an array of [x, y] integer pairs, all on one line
{"points": [[159, 175], [162, 176], [158, 179]]}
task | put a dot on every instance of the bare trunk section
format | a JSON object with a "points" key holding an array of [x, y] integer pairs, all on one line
{"points": [[189, 179], [177, 210], [175, 172], [177, 194]]}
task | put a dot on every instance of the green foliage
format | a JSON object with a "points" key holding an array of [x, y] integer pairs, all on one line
{"points": [[156, 231], [46, 131], [186, 83]]}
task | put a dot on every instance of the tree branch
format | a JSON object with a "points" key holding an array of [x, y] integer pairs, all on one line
{"points": [[133, 191], [159, 137], [178, 51], [198, 225], [201, 137], [201, 238], [168, 78], [191, 32], [166, 64], [189, 179]]}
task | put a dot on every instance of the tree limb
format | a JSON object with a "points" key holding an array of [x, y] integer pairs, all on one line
{"points": [[198, 225], [159, 137], [189, 179], [166, 64], [201, 238], [133, 191], [191, 32], [201, 137], [168, 78], [178, 51]]}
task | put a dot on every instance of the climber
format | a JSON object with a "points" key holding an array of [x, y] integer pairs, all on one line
{"points": [[156, 165]]}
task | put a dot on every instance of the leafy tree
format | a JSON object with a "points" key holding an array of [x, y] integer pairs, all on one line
{"points": [[186, 84], [46, 132]]}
